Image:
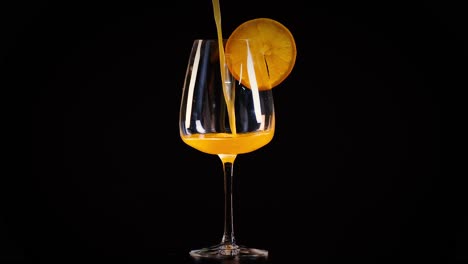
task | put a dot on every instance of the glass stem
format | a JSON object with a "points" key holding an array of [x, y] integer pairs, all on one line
{"points": [[228, 167]]}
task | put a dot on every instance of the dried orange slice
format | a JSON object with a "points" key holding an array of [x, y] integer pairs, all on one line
{"points": [[261, 53]]}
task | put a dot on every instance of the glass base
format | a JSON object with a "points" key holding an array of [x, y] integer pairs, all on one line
{"points": [[223, 251]]}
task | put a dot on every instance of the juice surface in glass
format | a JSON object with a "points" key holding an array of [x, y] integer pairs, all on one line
{"points": [[224, 143]]}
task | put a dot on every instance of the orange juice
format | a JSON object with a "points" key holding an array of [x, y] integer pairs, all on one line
{"points": [[223, 143]]}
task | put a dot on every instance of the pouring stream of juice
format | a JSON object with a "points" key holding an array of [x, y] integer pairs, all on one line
{"points": [[228, 91]]}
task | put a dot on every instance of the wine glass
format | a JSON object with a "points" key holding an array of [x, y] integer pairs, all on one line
{"points": [[220, 115]]}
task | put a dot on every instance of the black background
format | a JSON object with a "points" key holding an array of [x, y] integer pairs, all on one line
{"points": [[353, 172]]}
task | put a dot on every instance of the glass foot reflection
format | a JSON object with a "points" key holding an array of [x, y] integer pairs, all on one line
{"points": [[229, 251]]}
